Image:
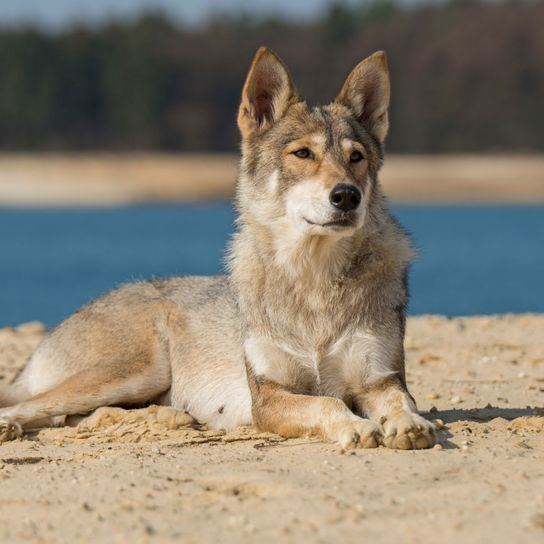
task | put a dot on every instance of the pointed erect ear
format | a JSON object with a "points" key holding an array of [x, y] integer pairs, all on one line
{"points": [[267, 93], [366, 93]]}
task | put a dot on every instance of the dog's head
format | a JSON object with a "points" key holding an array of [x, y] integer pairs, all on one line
{"points": [[312, 168]]}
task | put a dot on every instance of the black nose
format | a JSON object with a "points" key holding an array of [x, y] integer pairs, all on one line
{"points": [[345, 197]]}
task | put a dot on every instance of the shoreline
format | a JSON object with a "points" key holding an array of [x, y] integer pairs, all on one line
{"points": [[110, 179]]}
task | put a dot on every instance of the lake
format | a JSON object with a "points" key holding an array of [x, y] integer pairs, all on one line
{"points": [[471, 259]]}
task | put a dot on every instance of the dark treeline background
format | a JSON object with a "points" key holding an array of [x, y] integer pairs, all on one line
{"points": [[466, 76]]}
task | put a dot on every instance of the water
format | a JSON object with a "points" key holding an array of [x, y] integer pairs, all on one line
{"points": [[472, 259]]}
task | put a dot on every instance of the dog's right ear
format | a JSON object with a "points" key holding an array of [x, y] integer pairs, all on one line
{"points": [[267, 94]]}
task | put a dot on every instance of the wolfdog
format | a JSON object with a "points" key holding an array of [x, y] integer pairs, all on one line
{"points": [[304, 336]]}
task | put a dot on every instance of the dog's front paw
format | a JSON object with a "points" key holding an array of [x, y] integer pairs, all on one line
{"points": [[357, 433], [408, 431], [9, 430]]}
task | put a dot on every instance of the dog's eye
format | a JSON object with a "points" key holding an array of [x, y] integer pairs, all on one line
{"points": [[303, 153], [356, 156]]}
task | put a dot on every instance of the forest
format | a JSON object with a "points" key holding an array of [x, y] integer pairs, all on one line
{"points": [[467, 76]]}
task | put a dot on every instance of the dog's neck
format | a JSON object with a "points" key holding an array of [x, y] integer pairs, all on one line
{"points": [[311, 258], [293, 257]]}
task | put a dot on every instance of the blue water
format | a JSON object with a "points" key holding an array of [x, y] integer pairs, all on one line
{"points": [[472, 259]]}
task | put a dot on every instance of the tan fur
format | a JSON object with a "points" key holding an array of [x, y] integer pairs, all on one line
{"points": [[305, 336], [328, 418]]}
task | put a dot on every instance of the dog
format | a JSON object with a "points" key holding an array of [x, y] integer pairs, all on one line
{"points": [[304, 336]]}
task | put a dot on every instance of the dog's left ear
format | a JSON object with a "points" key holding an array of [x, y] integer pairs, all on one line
{"points": [[267, 94], [366, 93]]}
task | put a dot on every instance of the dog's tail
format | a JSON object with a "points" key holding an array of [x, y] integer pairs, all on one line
{"points": [[12, 394]]}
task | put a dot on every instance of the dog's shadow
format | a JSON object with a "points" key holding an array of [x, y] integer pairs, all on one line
{"points": [[478, 415], [481, 415]]}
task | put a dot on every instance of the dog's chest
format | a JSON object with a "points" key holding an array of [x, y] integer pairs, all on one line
{"points": [[312, 367], [342, 363]]}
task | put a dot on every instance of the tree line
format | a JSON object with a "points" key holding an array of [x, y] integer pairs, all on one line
{"points": [[467, 76]]}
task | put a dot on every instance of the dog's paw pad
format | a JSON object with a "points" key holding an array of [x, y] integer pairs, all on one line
{"points": [[408, 431], [9, 430]]}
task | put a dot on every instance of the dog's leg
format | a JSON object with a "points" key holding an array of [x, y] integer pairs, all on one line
{"points": [[106, 416], [85, 391], [291, 415], [387, 401]]}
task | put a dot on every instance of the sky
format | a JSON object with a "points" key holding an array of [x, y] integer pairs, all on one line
{"points": [[59, 14]]}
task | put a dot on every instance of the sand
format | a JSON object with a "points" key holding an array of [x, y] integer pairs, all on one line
{"points": [[93, 179], [143, 477]]}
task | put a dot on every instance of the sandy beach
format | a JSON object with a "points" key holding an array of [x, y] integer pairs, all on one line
{"points": [[138, 479], [98, 179]]}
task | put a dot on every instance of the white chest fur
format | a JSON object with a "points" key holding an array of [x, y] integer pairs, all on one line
{"points": [[355, 357]]}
